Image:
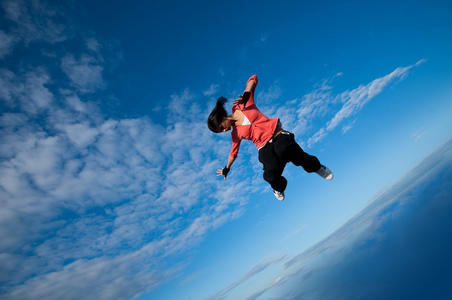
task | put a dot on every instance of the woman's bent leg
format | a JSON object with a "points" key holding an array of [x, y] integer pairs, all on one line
{"points": [[287, 149], [277, 182], [273, 168]]}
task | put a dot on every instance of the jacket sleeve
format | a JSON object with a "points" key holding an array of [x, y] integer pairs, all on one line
{"points": [[251, 100], [235, 143]]}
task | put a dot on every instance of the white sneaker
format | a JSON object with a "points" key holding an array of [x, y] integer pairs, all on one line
{"points": [[325, 172], [279, 195]]}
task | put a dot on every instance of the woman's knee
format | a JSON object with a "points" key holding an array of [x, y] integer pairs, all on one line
{"points": [[269, 177], [310, 164]]}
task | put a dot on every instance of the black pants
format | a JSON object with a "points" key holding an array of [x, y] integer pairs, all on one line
{"points": [[277, 153]]}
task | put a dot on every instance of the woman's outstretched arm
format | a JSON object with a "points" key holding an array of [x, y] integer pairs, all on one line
{"points": [[250, 85], [224, 172]]}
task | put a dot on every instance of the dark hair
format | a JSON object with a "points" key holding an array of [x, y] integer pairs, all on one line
{"points": [[217, 115]]}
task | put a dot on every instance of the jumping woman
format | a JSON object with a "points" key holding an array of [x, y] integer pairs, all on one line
{"points": [[276, 146]]}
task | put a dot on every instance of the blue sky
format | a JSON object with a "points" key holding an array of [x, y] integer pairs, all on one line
{"points": [[108, 182]]}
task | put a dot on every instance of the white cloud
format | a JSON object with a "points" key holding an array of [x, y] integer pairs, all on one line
{"points": [[346, 128], [354, 100], [28, 91], [7, 87], [257, 269], [6, 43], [302, 116], [317, 137], [95, 190], [35, 20], [85, 74], [313, 105], [277, 282], [419, 134], [268, 97], [420, 62], [320, 103], [93, 45], [212, 90], [292, 234], [41, 98], [91, 206], [98, 278]]}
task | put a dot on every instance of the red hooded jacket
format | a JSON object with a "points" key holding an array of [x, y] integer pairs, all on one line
{"points": [[261, 129]]}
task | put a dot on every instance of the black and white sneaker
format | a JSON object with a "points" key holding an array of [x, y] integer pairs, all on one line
{"points": [[325, 172], [279, 195]]}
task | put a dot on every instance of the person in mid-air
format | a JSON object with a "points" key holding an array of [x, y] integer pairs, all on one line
{"points": [[276, 146]]}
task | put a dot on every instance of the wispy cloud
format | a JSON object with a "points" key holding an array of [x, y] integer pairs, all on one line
{"points": [[26, 91], [212, 90], [91, 206], [35, 20], [277, 282], [6, 43], [254, 271], [424, 60], [290, 235], [316, 114], [419, 134], [354, 101], [84, 73], [97, 195]]}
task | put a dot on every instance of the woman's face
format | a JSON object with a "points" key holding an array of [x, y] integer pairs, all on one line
{"points": [[225, 125]]}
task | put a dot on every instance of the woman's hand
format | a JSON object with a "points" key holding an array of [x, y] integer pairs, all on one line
{"points": [[223, 172], [238, 101], [246, 95], [243, 99]]}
